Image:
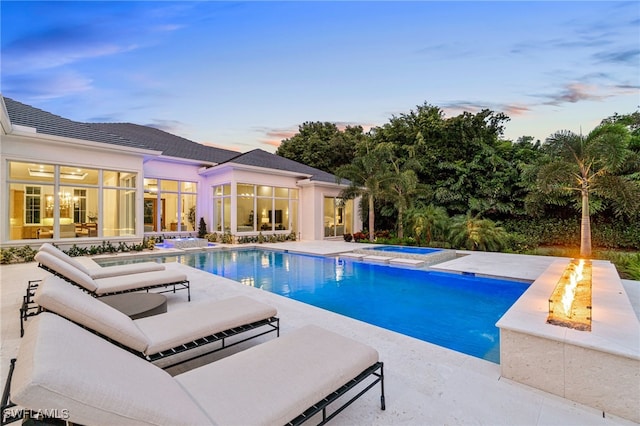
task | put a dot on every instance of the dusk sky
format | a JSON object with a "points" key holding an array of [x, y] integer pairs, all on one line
{"points": [[245, 75]]}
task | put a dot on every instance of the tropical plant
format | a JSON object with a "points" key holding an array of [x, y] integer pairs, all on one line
{"points": [[475, 233], [587, 166], [402, 186], [368, 175], [426, 221]]}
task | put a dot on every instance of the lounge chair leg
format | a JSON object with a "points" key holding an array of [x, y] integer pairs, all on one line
{"points": [[382, 403]]}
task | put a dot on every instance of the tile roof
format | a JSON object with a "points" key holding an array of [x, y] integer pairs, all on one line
{"points": [[260, 158], [51, 124], [145, 137], [170, 144]]}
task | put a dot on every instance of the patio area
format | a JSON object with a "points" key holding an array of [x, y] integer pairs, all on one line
{"points": [[424, 384]]}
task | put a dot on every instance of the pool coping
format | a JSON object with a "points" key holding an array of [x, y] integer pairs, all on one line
{"points": [[425, 383]]}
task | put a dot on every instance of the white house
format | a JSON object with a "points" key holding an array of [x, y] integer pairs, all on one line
{"points": [[72, 182]]}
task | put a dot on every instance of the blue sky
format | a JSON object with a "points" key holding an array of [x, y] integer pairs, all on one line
{"points": [[244, 75]]}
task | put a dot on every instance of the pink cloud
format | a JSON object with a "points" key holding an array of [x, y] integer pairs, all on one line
{"points": [[575, 92], [516, 109]]}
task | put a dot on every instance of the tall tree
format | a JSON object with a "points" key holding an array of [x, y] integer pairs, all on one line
{"points": [[402, 187], [368, 174], [322, 145], [589, 166]]}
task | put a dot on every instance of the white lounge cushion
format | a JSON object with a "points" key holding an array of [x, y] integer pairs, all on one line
{"points": [[274, 382], [66, 270], [111, 284], [152, 334], [135, 281], [91, 268], [198, 320], [58, 296], [118, 270], [54, 251], [62, 366]]}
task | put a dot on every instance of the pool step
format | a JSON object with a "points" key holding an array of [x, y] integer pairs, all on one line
{"points": [[377, 259], [406, 262], [352, 255], [400, 261]]}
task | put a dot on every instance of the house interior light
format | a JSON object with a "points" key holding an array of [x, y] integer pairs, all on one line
{"points": [[47, 174]]}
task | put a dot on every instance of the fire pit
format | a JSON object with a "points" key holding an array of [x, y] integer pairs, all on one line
{"points": [[570, 302]]}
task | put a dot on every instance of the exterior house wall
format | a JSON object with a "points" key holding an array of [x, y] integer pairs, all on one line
{"points": [[312, 199], [160, 168], [227, 174], [27, 146], [24, 144]]}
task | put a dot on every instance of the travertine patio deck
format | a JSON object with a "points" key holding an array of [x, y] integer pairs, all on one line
{"points": [[425, 384]]}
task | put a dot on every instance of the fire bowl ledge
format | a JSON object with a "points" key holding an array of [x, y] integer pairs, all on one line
{"points": [[598, 368]]}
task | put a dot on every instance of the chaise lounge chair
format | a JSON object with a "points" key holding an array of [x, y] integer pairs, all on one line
{"points": [[65, 371], [116, 284], [160, 336], [96, 271]]}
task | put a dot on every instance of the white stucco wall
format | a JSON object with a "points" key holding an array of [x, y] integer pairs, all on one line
{"points": [[24, 145], [27, 146], [312, 198]]}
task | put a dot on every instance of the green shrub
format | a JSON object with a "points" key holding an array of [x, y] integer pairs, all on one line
{"points": [[527, 233], [227, 238], [7, 255], [627, 264], [212, 238]]}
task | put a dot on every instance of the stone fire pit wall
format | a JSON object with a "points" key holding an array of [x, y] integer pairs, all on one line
{"points": [[598, 368]]}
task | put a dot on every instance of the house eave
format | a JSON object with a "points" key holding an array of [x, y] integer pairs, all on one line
{"points": [[25, 132], [257, 169], [5, 122], [320, 183], [180, 160]]}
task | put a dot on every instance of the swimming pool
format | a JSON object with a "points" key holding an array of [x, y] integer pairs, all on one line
{"points": [[454, 311]]}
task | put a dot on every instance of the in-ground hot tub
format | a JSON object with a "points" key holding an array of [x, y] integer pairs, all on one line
{"points": [[427, 255], [182, 243]]}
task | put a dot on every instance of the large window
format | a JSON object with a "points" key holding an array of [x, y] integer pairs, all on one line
{"points": [[57, 201], [169, 205], [338, 216], [222, 208], [266, 208]]}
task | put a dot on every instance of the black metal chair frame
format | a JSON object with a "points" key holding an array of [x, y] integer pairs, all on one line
{"points": [[322, 405], [184, 285], [30, 308], [273, 324], [9, 417]]}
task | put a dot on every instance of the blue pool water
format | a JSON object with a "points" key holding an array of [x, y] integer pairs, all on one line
{"points": [[455, 311], [405, 249]]}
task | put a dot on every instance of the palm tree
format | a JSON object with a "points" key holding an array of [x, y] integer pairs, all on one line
{"points": [[426, 221], [587, 165], [402, 185], [475, 233], [368, 175]]}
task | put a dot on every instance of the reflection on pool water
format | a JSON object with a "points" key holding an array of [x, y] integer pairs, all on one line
{"points": [[454, 311]]}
